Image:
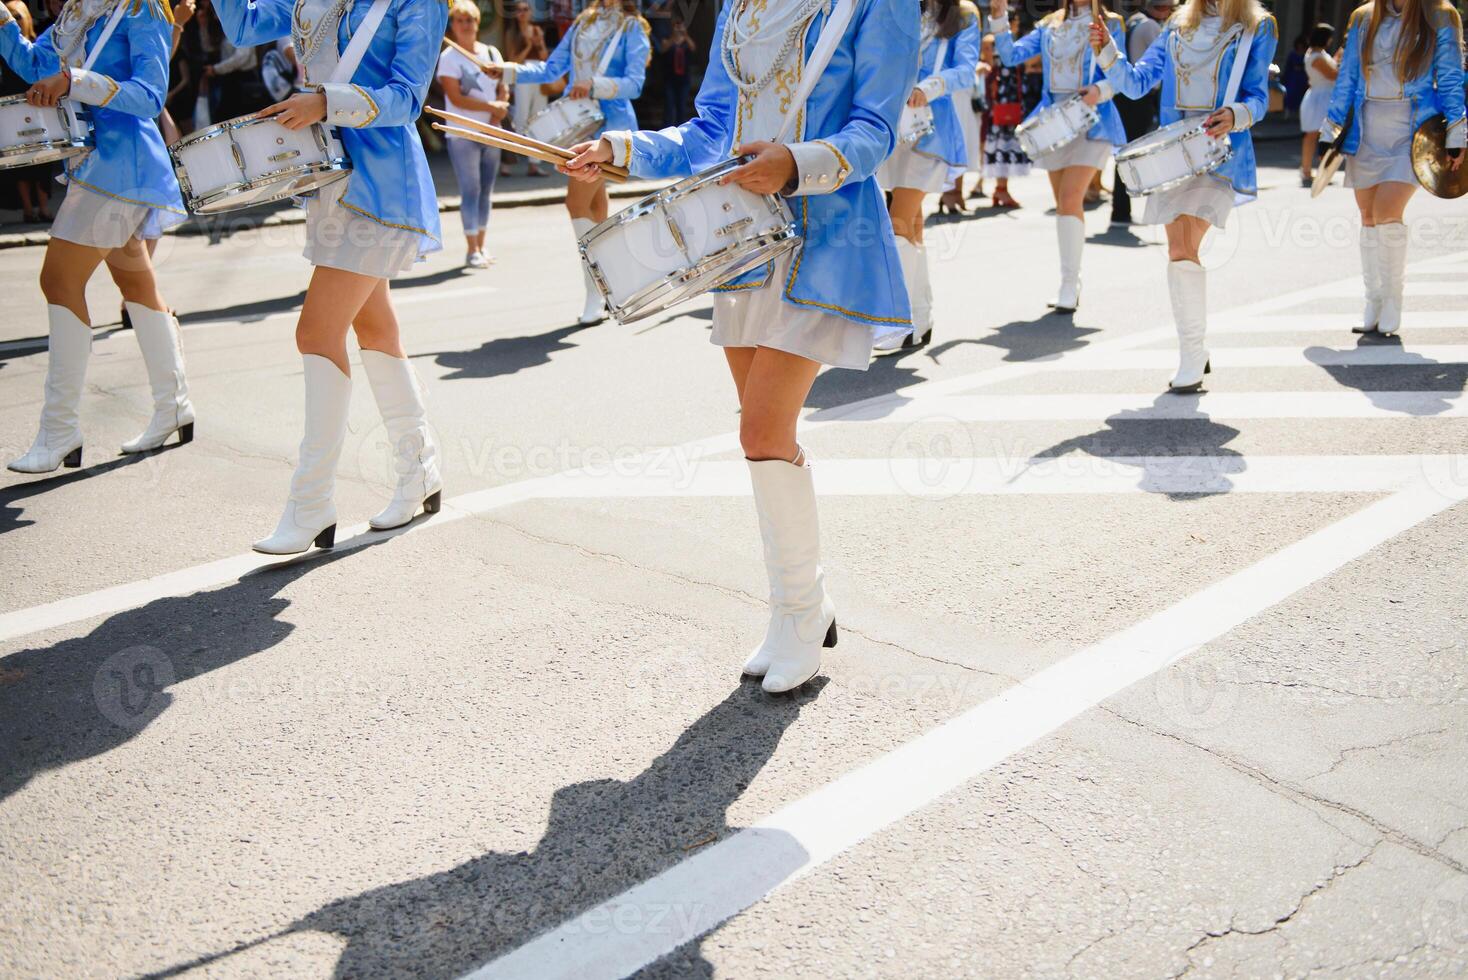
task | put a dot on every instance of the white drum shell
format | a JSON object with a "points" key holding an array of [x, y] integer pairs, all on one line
{"points": [[30, 134], [682, 241], [1056, 126], [566, 122], [916, 122], [1162, 160], [248, 161]]}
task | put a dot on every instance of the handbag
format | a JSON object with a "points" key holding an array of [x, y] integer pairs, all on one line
{"points": [[1008, 114]]}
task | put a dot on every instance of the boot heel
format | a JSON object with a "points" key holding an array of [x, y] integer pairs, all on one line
{"points": [[186, 433], [73, 459], [433, 502], [326, 538], [830, 639], [1207, 367]]}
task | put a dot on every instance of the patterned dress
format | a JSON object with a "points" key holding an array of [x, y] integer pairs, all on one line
{"points": [[1002, 154]]}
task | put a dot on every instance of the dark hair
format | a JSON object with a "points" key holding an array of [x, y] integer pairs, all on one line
{"points": [[1321, 35], [948, 15]]}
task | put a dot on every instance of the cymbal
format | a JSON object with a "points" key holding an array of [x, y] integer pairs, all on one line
{"points": [[1330, 162], [1431, 164]]}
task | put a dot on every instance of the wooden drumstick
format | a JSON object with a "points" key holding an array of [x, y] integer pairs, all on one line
{"points": [[1096, 12], [615, 174], [546, 152], [482, 65]]}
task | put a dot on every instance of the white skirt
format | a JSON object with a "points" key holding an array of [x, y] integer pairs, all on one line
{"points": [[1206, 196], [1084, 152], [973, 140], [1313, 107], [1385, 153], [760, 317], [340, 238], [906, 167], [97, 220]]}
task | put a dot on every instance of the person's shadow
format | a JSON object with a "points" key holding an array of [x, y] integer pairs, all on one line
{"points": [[506, 355], [1184, 457], [87, 696], [1044, 339], [602, 837], [1378, 381], [887, 374]]}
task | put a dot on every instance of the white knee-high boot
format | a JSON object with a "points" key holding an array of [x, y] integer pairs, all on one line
{"points": [[914, 262], [1393, 264], [310, 512], [59, 439], [802, 616], [1187, 284], [595, 309], [1070, 232], [158, 339], [1370, 279], [415, 454]]}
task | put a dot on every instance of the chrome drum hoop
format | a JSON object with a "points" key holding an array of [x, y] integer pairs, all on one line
{"points": [[49, 151], [1089, 119], [221, 199], [1195, 166]]}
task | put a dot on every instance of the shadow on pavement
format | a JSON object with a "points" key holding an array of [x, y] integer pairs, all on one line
{"points": [[888, 374], [1425, 375], [87, 696], [1132, 434], [506, 355], [259, 309], [1029, 340], [10, 495], [602, 837]]}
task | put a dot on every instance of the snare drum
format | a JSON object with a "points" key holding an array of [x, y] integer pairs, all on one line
{"points": [[683, 241], [30, 134], [249, 161], [1056, 126], [1171, 156], [916, 122], [566, 122]]}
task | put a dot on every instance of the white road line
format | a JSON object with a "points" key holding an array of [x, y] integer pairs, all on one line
{"points": [[1375, 355], [1072, 473], [1432, 287], [615, 939], [1337, 323], [1201, 407]]}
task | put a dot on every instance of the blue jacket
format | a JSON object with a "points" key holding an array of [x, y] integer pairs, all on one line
{"points": [[375, 113], [1013, 52], [956, 74], [615, 90], [1252, 102], [1438, 92], [125, 90], [847, 264]]}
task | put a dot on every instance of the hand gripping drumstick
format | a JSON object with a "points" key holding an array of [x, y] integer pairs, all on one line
{"points": [[496, 136], [1096, 12]]}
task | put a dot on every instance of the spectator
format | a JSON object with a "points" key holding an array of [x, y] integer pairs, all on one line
{"points": [[235, 86], [27, 183], [1322, 71], [1296, 81], [676, 52], [470, 92], [525, 41], [1003, 157], [1138, 116]]}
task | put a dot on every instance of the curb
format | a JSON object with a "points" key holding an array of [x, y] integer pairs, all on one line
{"points": [[295, 216]]}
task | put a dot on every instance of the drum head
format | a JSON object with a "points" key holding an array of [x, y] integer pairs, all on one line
{"points": [[1432, 162], [42, 154], [1330, 163]]}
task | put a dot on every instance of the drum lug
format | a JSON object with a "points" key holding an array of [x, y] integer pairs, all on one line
{"points": [[733, 226], [239, 157]]}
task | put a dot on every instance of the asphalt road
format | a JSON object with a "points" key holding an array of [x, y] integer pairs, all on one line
{"points": [[1129, 684]]}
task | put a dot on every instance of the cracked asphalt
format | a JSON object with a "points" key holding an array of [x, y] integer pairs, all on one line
{"points": [[412, 757]]}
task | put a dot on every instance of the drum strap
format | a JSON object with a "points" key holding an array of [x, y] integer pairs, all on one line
{"points": [[612, 46], [112, 22], [357, 46], [1241, 61], [831, 34]]}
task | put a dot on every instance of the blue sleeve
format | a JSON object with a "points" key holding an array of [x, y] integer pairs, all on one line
{"points": [[1135, 80], [557, 66], [681, 151], [965, 47], [1447, 68], [1254, 89], [1012, 52], [149, 43], [31, 60], [635, 50], [399, 100], [1347, 84], [251, 22]]}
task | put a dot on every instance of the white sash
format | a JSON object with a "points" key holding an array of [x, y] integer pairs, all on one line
{"points": [[361, 38], [831, 33], [612, 45], [112, 22], [1241, 60]]}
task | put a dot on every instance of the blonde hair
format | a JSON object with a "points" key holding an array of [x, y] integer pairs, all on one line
{"points": [[1249, 13], [1058, 16], [1418, 40], [467, 8], [22, 15]]}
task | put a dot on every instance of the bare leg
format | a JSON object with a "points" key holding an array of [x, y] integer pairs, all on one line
{"points": [[65, 272], [376, 323], [131, 267], [775, 387], [906, 211], [1308, 144], [333, 300]]}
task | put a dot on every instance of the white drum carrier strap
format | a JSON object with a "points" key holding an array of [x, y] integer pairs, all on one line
{"points": [[1241, 61], [117, 14], [831, 34], [357, 46], [612, 46]]}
